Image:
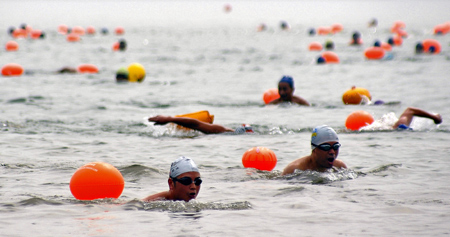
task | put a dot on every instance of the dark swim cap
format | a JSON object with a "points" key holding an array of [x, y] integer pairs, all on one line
{"points": [[320, 60], [288, 80]]}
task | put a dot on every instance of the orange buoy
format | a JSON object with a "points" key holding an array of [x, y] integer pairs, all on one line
{"points": [[12, 69], [336, 28], [87, 68], [96, 180], [90, 30], [402, 33], [358, 119], [78, 30], [116, 46], [63, 29], [330, 57], [442, 29], [374, 53], [227, 8], [386, 46], [260, 158], [323, 30], [315, 46], [397, 25], [19, 33], [119, 30], [355, 96], [431, 46], [270, 94], [72, 37], [35, 34], [398, 40], [11, 46]]}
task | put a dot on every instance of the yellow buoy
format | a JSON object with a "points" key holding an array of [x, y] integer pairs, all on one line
{"points": [[355, 96], [202, 115], [136, 72]]}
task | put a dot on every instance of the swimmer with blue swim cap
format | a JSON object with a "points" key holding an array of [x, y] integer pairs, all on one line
{"points": [[184, 182], [324, 152], [407, 116], [286, 91]]}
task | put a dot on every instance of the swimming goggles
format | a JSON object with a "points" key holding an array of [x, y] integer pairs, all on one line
{"points": [[327, 147], [187, 181]]}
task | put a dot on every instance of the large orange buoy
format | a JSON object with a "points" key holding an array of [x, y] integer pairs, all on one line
{"points": [[374, 53], [90, 30], [62, 29], [336, 28], [358, 119], [431, 46], [315, 46], [96, 180], [270, 94], [12, 69], [11, 46], [87, 68], [330, 57], [78, 30], [72, 37], [119, 30], [324, 30], [355, 96], [260, 158]]}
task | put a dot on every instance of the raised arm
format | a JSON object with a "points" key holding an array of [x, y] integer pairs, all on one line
{"points": [[190, 123], [410, 112]]}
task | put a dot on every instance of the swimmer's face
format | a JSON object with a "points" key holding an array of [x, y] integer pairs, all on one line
{"points": [[185, 192], [285, 91], [325, 159]]}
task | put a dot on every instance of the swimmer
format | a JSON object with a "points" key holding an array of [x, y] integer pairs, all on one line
{"points": [[286, 91], [325, 149], [373, 23], [329, 45], [198, 125], [406, 117], [184, 182], [67, 70], [356, 38], [122, 45]]}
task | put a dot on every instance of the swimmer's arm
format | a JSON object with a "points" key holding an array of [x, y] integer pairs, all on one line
{"points": [[190, 123], [291, 167], [157, 196], [300, 101]]}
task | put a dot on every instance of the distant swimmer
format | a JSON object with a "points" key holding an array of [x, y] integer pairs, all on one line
{"points": [[325, 149], [373, 23], [407, 116], [286, 91], [184, 182], [67, 70], [284, 25], [356, 38], [198, 125]]}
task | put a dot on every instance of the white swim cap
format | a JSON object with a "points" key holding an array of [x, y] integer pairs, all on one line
{"points": [[181, 166], [323, 134]]}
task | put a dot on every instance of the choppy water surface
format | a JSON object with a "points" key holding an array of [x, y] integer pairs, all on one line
{"points": [[198, 57]]}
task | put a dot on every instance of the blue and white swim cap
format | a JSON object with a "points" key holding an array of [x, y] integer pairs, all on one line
{"points": [[321, 134], [182, 165]]}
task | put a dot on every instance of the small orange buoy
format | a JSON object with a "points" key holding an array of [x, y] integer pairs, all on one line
{"points": [[330, 57], [386, 46], [90, 30], [116, 46], [87, 68], [260, 158], [62, 29], [315, 46], [442, 29], [78, 30], [72, 37], [358, 119], [324, 30], [119, 30], [35, 34], [270, 94], [20, 33], [227, 8], [11, 46], [336, 28], [12, 69], [431, 46], [96, 180], [355, 96], [402, 33], [398, 40], [374, 53]]}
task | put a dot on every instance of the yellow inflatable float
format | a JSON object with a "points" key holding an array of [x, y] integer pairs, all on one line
{"points": [[202, 115]]}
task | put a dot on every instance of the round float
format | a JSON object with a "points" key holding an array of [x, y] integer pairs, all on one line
{"points": [[354, 96], [315, 46], [136, 72], [260, 158], [358, 119], [11, 46], [73, 37], [330, 57], [374, 53], [87, 68], [431, 46], [270, 94], [119, 30], [12, 69]]}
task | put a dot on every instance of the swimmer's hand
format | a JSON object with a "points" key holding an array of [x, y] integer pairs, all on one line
{"points": [[160, 119]]}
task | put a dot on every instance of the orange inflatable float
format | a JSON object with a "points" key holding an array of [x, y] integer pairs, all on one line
{"points": [[270, 94], [374, 53], [78, 30], [431, 46], [119, 30], [260, 158], [315, 46], [336, 28], [35, 34], [20, 33], [398, 40], [87, 68], [324, 30], [442, 29], [355, 96], [12, 69], [90, 30], [72, 37], [63, 29], [202, 115], [330, 57], [358, 119], [11, 46], [386, 46], [96, 180]]}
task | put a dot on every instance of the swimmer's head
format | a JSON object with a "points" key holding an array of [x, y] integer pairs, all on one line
{"points": [[243, 129], [377, 43], [320, 60], [390, 41], [419, 47], [322, 134], [329, 44], [182, 165], [288, 80]]}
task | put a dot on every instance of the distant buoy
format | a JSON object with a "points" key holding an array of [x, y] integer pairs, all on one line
{"points": [[87, 68], [442, 29], [315, 46], [119, 30], [136, 72], [78, 30], [398, 40], [324, 30], [63, 29], [227, 8], [336, 28], [11, 46], [431, 44], [260, 158], [330, 57], [115, 46], [96, 180], [402, 33], [12, 69], [19, 33], [374, 53], [90, 30], [355, 96], [270, 94], [72, 37], [397, 26], [35, 34], [358, 119], [386, 46]]}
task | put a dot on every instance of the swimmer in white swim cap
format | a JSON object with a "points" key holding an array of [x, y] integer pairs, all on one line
{"points": [[325, 149], [184, 182]]}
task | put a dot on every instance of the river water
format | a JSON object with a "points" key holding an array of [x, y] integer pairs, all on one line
{"points": [[198, 57]]}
